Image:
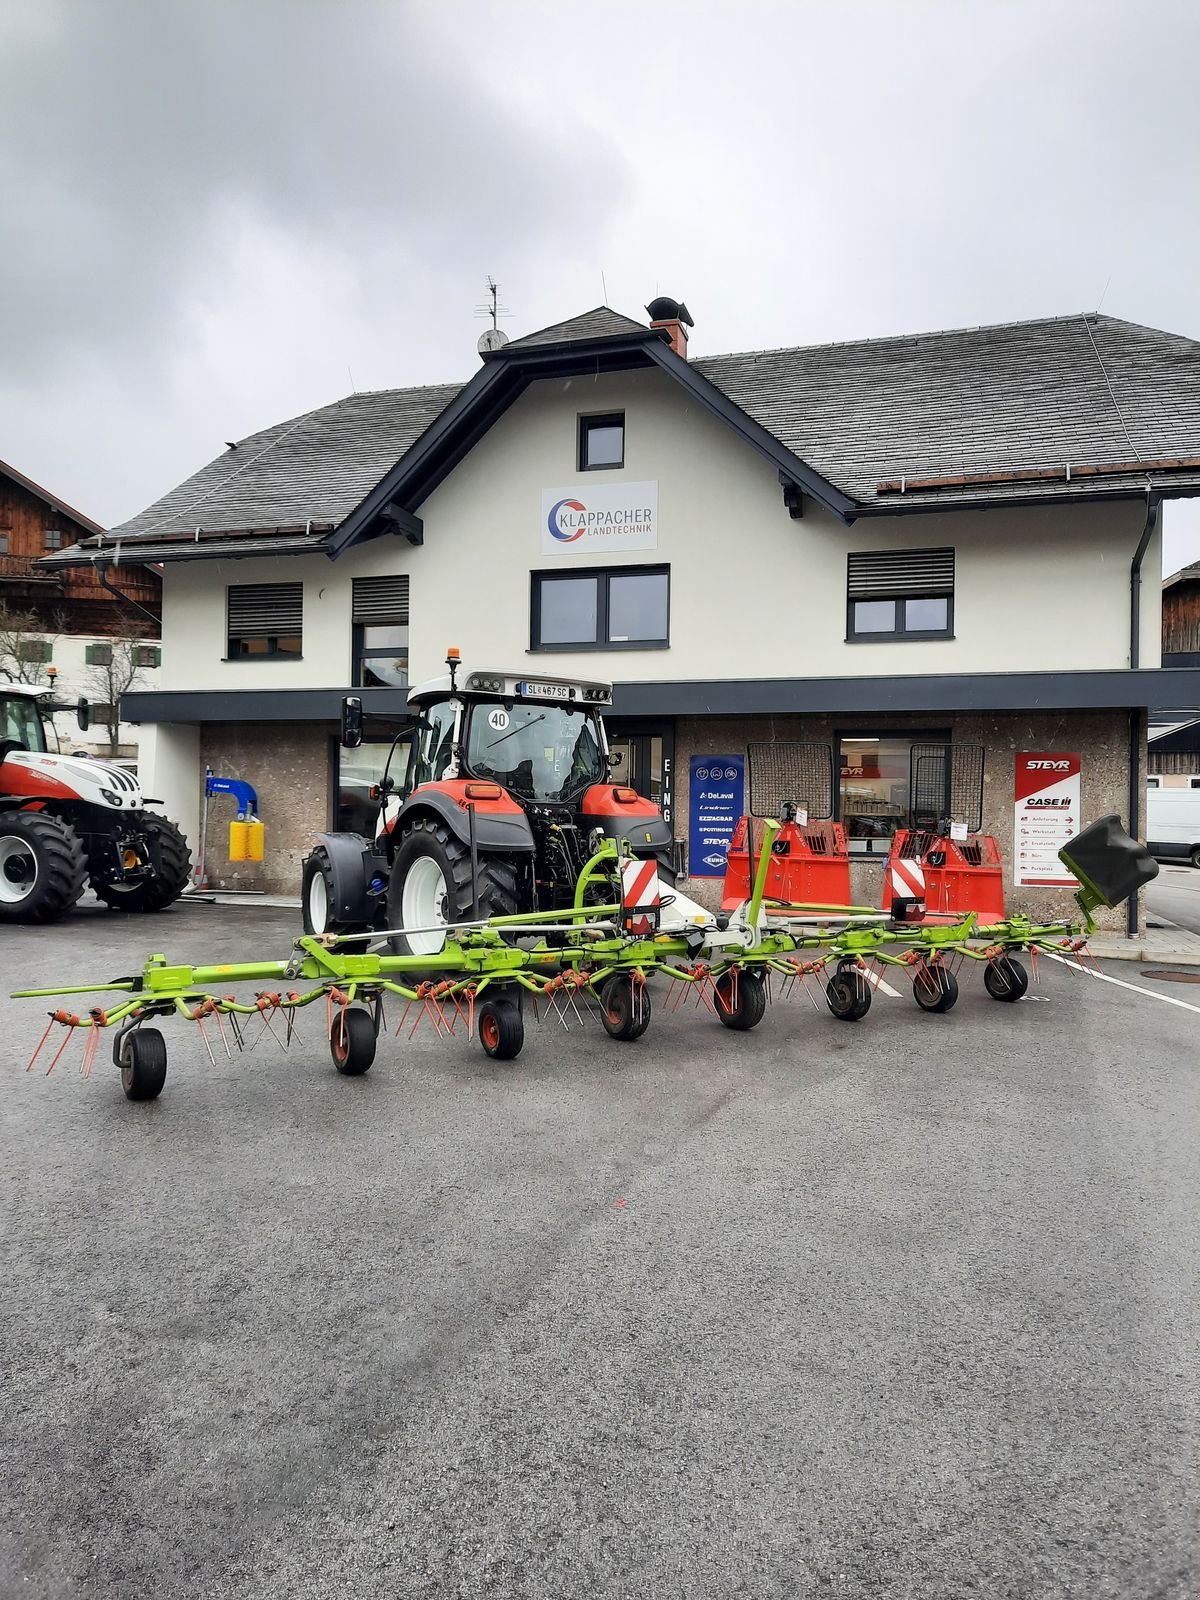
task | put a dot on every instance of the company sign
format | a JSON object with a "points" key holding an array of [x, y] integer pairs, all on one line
{"points": [[1046, 795], [717, 787], [597, 518]]}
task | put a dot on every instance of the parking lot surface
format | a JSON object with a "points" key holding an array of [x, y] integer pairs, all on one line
{"points": [[902, 1308]]}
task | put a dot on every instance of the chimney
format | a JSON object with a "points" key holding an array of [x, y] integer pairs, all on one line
{"points": [[674, 316]]}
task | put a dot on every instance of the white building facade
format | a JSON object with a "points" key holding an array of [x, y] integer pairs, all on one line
{"points": [[855, 555]]}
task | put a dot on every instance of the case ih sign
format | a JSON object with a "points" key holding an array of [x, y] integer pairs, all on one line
{"points": [[1047, 817]]}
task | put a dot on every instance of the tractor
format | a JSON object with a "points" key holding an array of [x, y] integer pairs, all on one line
{"points": [[70, 820], [490, 804]]}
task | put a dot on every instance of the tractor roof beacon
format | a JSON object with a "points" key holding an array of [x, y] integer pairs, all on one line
{"points": [[70, 820], [492, 803]]}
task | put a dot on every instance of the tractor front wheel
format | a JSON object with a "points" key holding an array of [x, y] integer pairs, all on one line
{"points": [[430, 888], [42, 867], [164, 850]]}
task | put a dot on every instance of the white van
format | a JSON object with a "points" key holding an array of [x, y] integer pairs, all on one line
{"points": [[1173, 823]]}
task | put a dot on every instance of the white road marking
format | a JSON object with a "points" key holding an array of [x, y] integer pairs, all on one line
{"points": [[885, 988], [1167, 999]]}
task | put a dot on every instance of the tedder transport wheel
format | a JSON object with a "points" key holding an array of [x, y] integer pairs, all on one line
{"points": [[143, 1064], [501, 1028], [317, 899], [1005, 978], [42, 867], [352, 1041], [740, 1000], [848, 995], [430, 886], [168, 880], [624, 1007], [935, 988]]}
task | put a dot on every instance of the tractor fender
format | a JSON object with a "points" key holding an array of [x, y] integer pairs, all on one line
{"points": [[501, 827], [629, 818], [353, 863]]}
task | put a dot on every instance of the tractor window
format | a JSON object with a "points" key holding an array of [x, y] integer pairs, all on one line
{"points": [[20, 723], [538, 752], [433, 746]]}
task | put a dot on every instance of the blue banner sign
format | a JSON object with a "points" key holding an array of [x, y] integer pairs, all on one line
{"points": [[717, 802]]}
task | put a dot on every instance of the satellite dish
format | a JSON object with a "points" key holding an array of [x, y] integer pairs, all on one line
{"points": [[492, 339]]}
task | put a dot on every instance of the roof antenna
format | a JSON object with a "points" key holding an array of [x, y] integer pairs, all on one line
{"points": [[603, 286], [350, 375], [1100, 302], [493, 338]]}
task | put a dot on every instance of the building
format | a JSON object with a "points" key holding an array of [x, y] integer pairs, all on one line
{"points": [[857, 554], [1174, 742], [72, 627]]}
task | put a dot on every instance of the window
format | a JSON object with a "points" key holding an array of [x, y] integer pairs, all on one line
{"points": [[900, 594], [874, 790], [30, 649], [379, 618], [1194, 783], [3, 544], [602, 441], [433, 747], [265, 619], [147, 655], [98, 655], [53, 538], [623, 609], [1154, 783]]}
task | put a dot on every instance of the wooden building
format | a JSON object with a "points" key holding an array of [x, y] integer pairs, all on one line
{"points": [[73, 600]]}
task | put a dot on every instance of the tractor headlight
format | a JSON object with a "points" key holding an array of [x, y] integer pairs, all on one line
{"points": [[111, 798]]}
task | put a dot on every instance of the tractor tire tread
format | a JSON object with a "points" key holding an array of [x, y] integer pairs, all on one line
{"points": [[62, 866], [498, 895], [153, 894]]}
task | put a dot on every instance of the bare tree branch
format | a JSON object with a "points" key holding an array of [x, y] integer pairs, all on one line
{"points": [[110, 677]]}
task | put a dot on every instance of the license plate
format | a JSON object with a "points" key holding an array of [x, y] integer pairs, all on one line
{"points": [[546, 691]]}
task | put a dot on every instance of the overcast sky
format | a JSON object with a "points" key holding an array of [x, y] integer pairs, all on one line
{"points": [[218, 213]]}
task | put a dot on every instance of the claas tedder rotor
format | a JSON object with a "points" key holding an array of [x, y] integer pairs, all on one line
{"points": [[614, 959]]}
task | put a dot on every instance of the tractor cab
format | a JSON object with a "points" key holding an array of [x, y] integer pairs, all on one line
{"points": [[22, 724]]}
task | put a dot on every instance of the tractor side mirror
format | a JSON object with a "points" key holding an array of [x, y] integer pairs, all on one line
{"points": [[352, 722], [83, 714]]}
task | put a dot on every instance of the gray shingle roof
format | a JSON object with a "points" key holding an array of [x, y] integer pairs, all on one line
{"points": [[598, 323], [1005, 398], [1013, 397], [316, 467]]}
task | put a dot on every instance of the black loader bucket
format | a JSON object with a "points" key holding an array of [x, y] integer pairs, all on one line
{"points": [[1108, 863]]}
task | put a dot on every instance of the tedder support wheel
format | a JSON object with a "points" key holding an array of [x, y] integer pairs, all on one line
{"points": [[430, 886], [143, 1064], [42, 867], [1005, 978], [848, 995], [172, 863], [501, 1028], [624, 1007], [740, 999], [935, 988], [352, 1041]]}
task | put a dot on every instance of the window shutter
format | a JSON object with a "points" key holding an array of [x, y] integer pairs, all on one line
{"points": [[381, 600], [259, 610], [34, 650], [883, 573]]}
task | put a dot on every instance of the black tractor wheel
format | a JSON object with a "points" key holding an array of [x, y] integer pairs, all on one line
{"points": [[848, 996], [430, 888], [624, 1007], [166, 852], [352, 1041], [501, 1028], [935, 988], [318, 898], [42, 867], [143, 1064], [1005, 978]]}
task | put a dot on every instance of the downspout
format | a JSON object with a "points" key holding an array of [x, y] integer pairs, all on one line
{"points": [[101, 571], [1153, 502]]}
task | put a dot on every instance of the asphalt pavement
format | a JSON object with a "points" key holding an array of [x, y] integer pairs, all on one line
{"points": [[905, 1308], [1175, 895]]}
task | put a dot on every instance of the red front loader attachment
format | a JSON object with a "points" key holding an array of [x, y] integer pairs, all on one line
{"points": [[809, 865], [931, 877]]}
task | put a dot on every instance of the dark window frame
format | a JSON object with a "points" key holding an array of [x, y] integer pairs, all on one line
{"points": [[868, 731], [53, 538], [603, 576], [854, 636], [360, 654], [234, 644], [597, 420]]}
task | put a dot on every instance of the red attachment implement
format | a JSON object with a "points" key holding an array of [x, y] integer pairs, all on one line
{"points": [[929, 877], [809, 864]]}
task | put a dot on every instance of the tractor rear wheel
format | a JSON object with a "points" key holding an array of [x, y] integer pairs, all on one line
{"points": [[167, 880], [42, 867], [430, 888], [318, 897]]}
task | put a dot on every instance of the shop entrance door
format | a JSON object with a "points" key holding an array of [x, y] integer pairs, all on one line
{"points": [[644, 759]]}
